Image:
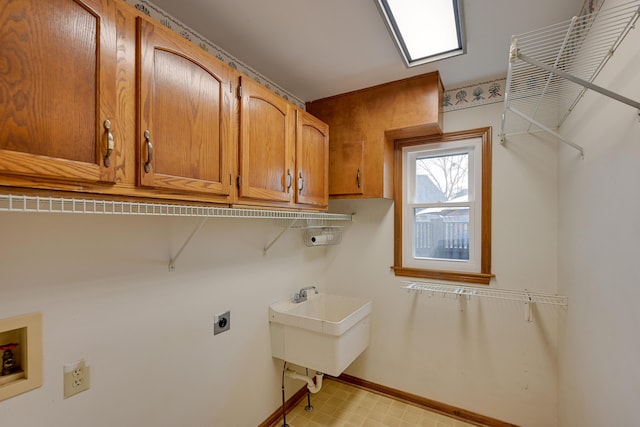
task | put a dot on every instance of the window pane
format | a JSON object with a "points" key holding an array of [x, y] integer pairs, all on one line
{"points": [[441, 233], [442, 178]]}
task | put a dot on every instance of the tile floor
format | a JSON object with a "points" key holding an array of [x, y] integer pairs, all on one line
{"points": [[343, 405]]}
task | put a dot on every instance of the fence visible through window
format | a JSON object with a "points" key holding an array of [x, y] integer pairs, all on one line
{"points": [[441, 238]]}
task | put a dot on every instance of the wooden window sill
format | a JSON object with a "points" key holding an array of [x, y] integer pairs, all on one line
{"points": [[455, 276]]}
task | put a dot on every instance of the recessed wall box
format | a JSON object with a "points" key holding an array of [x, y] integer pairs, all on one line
{"points": [[21, 354]]}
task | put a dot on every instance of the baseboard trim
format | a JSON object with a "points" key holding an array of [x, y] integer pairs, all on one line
{"points": [[288, 406], [431, 405]]}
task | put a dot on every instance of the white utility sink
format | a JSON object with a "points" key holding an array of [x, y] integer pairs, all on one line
{"points": [[326, 332]]}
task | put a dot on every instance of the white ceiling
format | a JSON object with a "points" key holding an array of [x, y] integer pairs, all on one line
{"points": [[318, 48]]}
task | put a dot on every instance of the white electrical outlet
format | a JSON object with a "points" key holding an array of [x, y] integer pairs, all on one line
{"points": [[76, 378]]}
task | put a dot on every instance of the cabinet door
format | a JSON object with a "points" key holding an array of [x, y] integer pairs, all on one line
{"points": [[57, 89], [347, 140], [184, 114], [312, 159], [267, 130], [346, 163]]}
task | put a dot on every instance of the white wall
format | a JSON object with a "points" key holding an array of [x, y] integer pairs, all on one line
{"points": [[488, 359], [106, 295], [599, 237], [103, 287]]}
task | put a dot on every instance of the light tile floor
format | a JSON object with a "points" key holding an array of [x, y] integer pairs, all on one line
{"points": [[342, 405]]}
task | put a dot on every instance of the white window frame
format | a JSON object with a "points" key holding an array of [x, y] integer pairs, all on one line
{"points": [[474, 203]]}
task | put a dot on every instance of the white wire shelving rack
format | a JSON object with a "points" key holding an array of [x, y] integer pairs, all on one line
{"points": [[45, 204], [465, 293], [20, 203], [550, 69]]}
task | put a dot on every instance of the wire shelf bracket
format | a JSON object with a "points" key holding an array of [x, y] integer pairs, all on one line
{"points": [[284, 230], [172, 261], [464, 294], [550, 69]]}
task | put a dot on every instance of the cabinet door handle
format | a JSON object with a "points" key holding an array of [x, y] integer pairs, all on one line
{"points": [[289, 180], [147, 165], [358, 177], [110, 143], [300, 183]]}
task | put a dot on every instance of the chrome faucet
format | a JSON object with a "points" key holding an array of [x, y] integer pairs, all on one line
{"points": [[301, 296]]}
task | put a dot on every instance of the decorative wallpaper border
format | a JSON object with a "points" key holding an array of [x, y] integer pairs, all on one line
{"points": [[591, 6], [492, 92], [172, 23], [455, 99], [474, 95]]}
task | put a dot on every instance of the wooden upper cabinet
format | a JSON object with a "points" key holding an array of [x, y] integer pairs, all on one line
{"points": [[364, 124], [184, 115], [57, 90], [267, 132], [312, 159]]}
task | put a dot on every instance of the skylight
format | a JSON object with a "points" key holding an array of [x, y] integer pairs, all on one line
{"points": [[425, 31]]}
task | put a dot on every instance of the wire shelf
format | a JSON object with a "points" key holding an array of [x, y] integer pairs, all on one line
{"points": [[551, 68], [473, 291], [20, 203]]}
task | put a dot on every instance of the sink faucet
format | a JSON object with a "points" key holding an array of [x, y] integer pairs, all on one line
{"points": [[301, 296]]}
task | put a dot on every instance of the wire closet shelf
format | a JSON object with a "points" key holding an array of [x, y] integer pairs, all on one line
{"points": [[524, 296], [550, 69], [44, 204], [20, 203]]}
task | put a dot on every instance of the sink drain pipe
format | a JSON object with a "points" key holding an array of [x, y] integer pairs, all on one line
{"points": [[312, 386], [284, 408], [309, 407]]}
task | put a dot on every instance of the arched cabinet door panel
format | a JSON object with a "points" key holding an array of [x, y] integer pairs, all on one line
{"points": [[267, 133], [312, 157], [184, 115]]}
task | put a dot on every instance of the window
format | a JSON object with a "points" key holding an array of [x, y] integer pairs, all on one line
{"points": [[443, 207], [424, 31]]}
